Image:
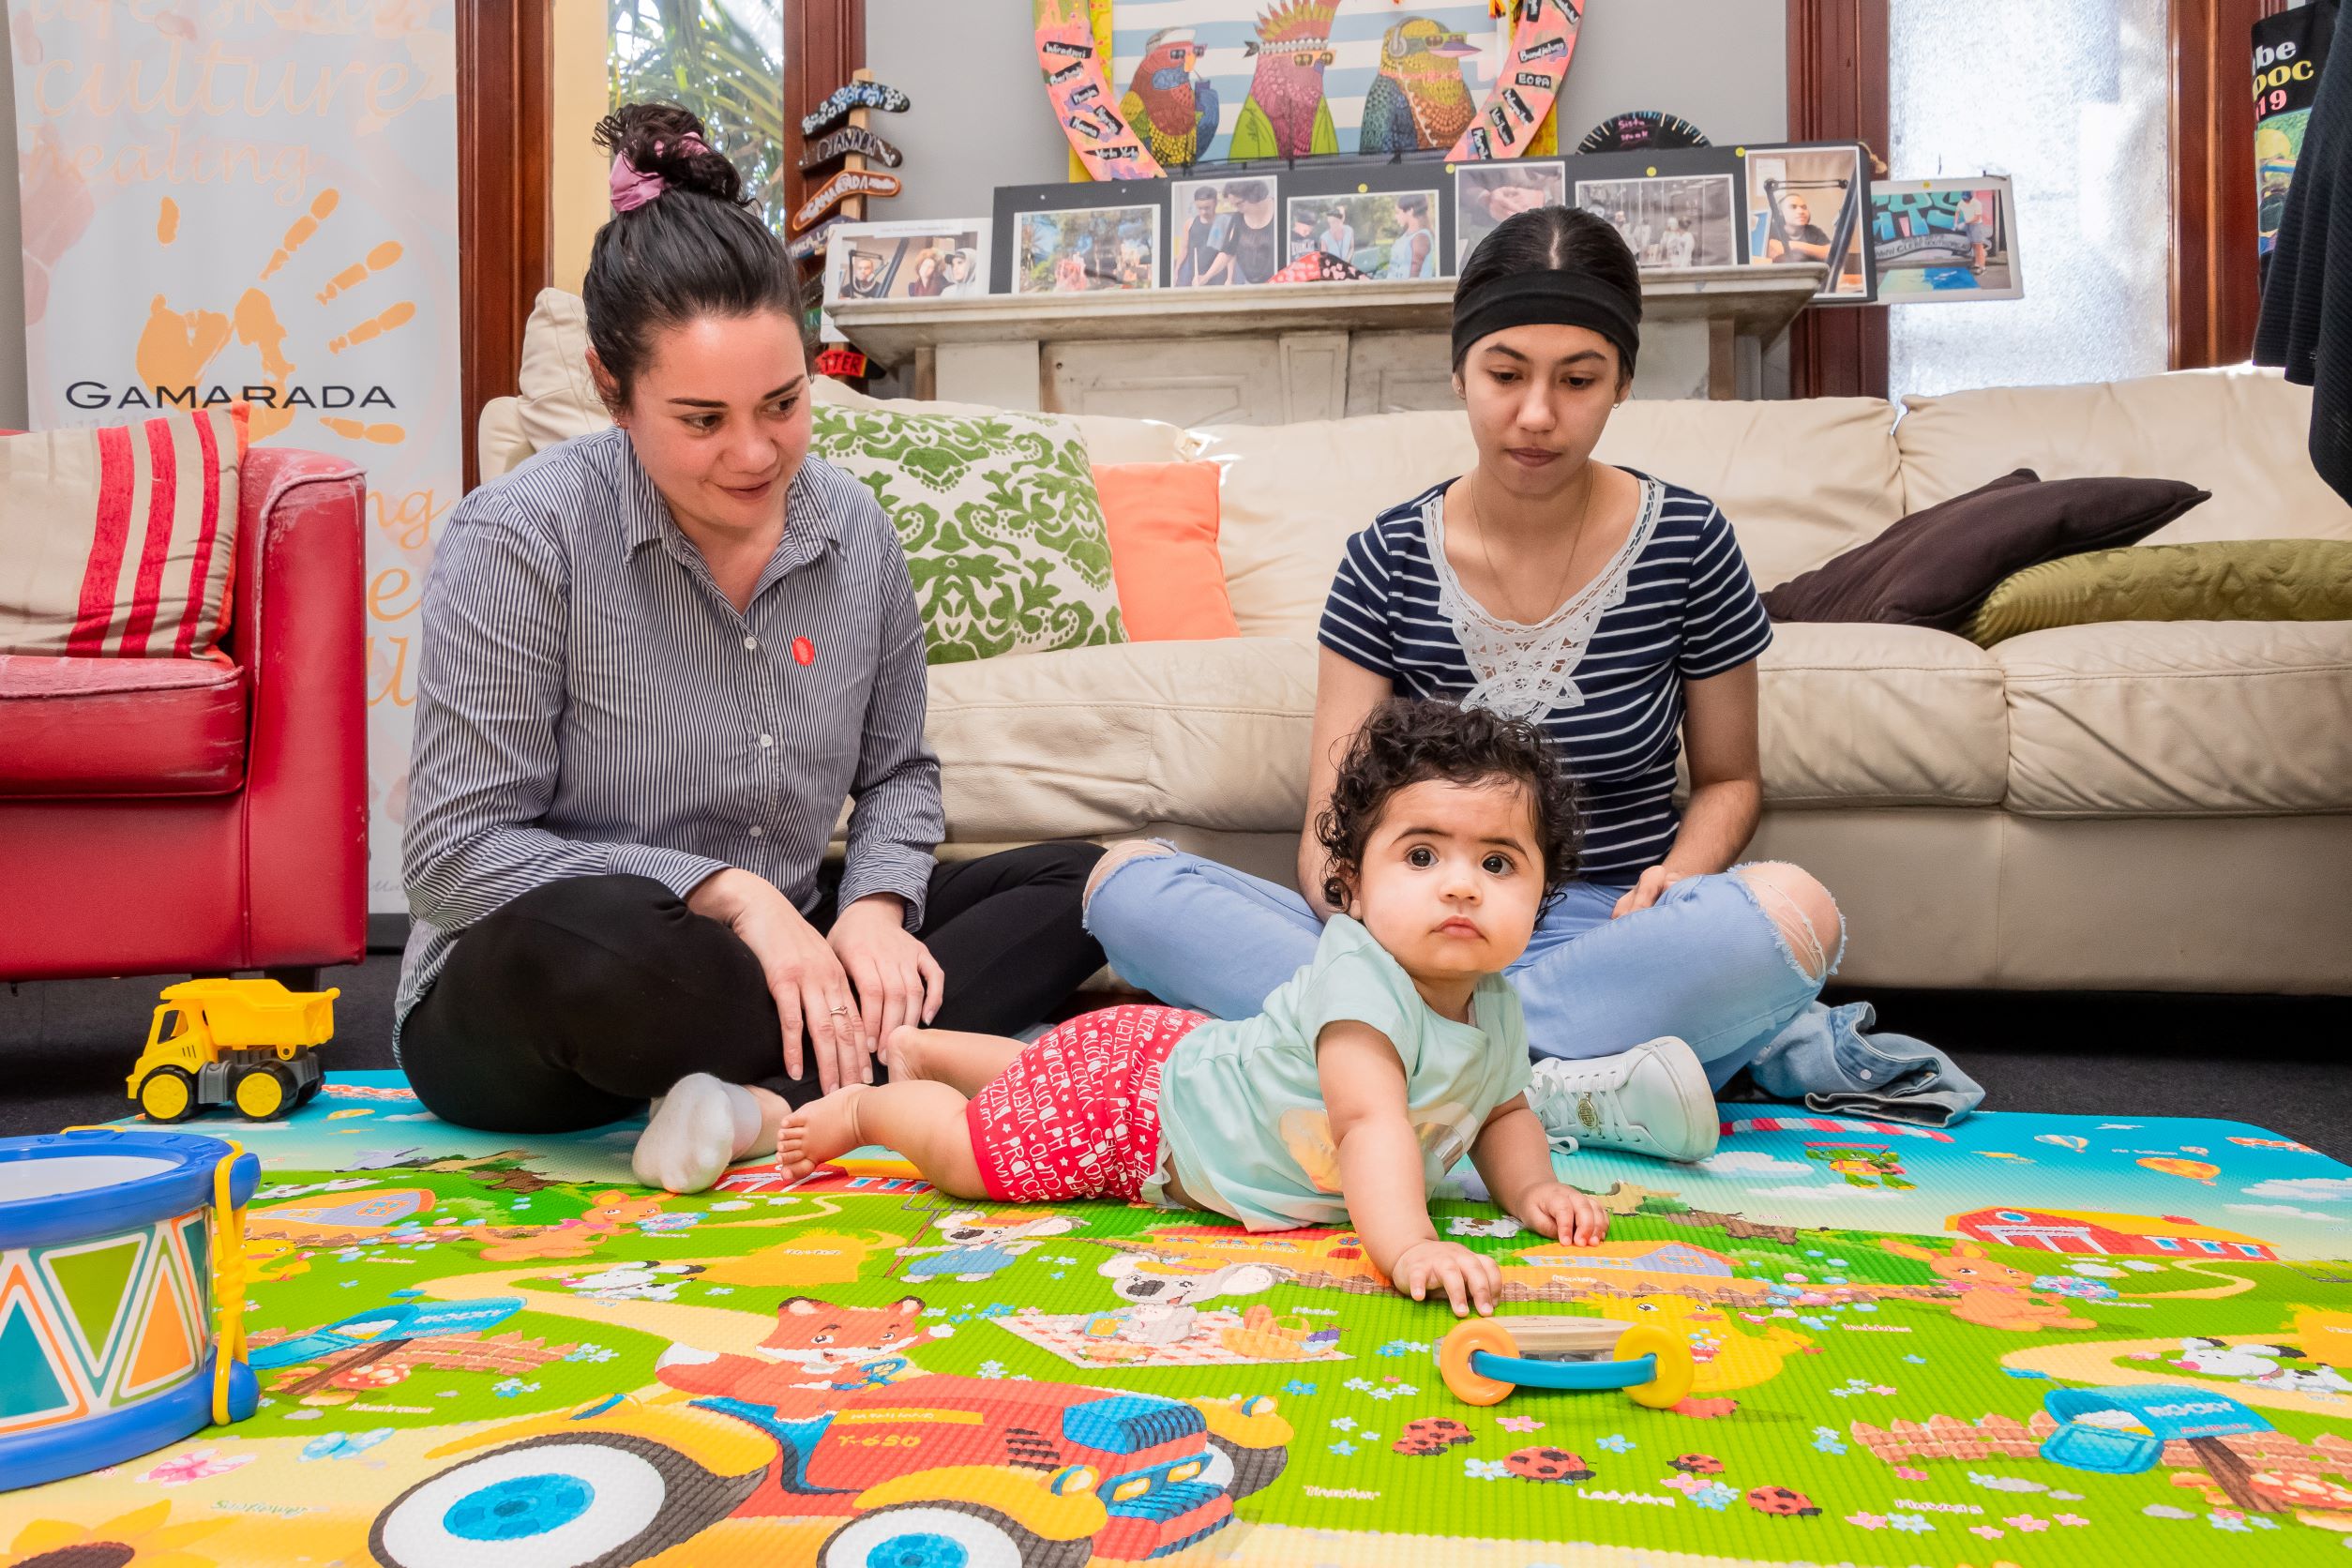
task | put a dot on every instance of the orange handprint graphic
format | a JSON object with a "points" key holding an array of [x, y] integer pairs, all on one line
{"points": [[177, 347]]}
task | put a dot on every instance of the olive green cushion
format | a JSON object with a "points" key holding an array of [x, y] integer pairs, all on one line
{"points": [[999, 519], [2237, 579]]}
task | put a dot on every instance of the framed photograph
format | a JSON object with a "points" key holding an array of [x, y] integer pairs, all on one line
{"points": [[1079, 238], [943, 258], [1487, 193], [1224, 231], [1811, 203], [1948, 239], [1393, 222], [1387, 235], [1670, 221]]}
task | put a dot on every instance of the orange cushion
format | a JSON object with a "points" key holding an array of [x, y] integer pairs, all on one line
{"points": [[1162, 519]]}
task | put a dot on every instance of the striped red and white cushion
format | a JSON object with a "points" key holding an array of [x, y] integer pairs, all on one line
{"points": [[118, 543]]}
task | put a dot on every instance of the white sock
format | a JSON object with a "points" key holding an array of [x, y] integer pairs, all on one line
{"points": [[696, 1131]]}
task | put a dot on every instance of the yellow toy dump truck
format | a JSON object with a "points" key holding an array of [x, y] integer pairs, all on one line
{"points": [[242, 1042]]}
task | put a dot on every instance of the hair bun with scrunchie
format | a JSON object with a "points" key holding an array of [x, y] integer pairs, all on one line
{"points": [[659, 147]]}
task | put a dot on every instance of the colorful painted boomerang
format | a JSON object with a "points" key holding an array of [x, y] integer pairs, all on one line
{"points": [[1082, 101], [812, 244], [849, 183], [853, 139], [856, 95], [1536, 62]]}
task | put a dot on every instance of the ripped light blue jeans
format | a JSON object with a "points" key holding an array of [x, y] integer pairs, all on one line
{"points": [[1705, 962]]}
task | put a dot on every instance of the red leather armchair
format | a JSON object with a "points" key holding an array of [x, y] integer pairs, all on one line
{"points": [[180, 816]]}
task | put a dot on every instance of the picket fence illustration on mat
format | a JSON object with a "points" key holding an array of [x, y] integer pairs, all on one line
{"points": [[2044, 1350]]}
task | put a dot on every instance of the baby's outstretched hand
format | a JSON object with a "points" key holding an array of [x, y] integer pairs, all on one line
{"points": [[1564, 1213], [1469, 1278]]}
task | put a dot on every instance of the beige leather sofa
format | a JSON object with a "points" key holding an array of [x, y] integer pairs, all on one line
{"points": [[2135, 805]]}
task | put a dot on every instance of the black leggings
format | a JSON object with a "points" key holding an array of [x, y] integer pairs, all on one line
{"points": [[579, 1000]]}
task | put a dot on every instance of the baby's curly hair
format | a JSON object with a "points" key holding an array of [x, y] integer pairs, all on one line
{"points": [[1409, 741]]}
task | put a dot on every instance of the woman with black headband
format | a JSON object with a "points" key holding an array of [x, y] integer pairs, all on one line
{"points": [[1614, 609]]}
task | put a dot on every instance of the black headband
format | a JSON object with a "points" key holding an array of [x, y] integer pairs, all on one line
{"points": [[1548, 297]]}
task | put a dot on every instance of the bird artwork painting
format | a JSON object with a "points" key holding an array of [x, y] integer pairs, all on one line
{"points": [[1420, 99], [1172, 109], [1286, 114]]}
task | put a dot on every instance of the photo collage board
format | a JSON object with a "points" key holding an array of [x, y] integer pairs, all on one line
{"points": [[1339, 224]]}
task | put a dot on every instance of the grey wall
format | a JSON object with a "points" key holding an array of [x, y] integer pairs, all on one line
{"points": [[1723, 64], [980, 119], [12, 402]]}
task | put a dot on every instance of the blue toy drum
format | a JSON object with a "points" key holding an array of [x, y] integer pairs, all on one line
{"points": [[115, 1248]]}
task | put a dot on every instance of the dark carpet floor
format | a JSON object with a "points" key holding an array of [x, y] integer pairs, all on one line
{"points": [[2276, 1061]]}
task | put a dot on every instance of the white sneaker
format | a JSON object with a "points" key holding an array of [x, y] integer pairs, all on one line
{"points": [[1652, 1100]]}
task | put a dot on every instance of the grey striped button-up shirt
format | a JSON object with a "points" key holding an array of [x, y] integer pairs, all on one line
{"points": [[588, 702]]}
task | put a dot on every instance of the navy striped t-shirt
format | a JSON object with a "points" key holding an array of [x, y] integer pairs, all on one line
{"points": [[1689, 610]]}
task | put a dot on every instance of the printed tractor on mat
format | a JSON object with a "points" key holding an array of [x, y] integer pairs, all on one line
{"points": [[242, 1042], [931, 1470]]}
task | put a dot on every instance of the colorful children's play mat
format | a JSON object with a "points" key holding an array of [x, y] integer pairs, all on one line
{"points": [[2032, 1340]]}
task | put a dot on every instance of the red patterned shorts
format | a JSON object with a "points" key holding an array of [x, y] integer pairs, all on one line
{"points": [[1078, 1113]]}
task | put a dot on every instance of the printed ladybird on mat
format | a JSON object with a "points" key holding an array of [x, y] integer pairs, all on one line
{"points": [[1433, 1434], [1547, 1464], [1696, 1464], [1780, 1500]]}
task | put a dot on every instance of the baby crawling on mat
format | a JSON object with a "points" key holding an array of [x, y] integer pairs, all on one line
{"points": [[1361, 1083]]}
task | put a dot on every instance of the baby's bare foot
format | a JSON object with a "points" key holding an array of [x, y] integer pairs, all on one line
{"points": [[822, 1130], [905, 1054]]}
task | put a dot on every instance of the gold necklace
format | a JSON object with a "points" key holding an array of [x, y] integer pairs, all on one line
{"points": [[1584, 515]]}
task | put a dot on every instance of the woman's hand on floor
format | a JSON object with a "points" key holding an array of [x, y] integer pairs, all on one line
{"points": [[898, 980], [1560, 1211], [1469, 1278], [813, 1004]]}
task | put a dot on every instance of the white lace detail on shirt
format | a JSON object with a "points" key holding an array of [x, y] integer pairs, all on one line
{"points": [[1526, 672]]}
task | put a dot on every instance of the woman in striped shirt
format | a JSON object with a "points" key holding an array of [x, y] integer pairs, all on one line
{"points": [[1614, 609], [656, 660]]}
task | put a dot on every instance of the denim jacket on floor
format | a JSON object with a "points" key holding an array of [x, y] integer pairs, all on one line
{"points": [[1827, 1058]]}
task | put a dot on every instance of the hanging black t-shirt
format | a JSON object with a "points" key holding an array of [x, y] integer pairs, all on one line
{"points": [[2307, 299]]}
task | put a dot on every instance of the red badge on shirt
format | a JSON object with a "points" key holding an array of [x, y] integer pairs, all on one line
{"points": [[804, 652]]}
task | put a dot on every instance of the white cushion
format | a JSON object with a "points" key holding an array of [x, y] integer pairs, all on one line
{"points": [[1868, 715], [1800, 481], [1090, 741], [2200, 718], [2241, 433], [555, 398]]}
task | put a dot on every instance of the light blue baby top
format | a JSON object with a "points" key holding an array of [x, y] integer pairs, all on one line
{"points": [[1242, 1129]]}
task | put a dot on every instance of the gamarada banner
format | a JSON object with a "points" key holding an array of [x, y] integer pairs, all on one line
{"points": [[256, 199]]}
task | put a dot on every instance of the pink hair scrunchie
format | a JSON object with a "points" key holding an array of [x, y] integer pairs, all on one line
{"points": [[632, 187]]}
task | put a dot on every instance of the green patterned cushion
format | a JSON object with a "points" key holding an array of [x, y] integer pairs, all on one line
{"points": [[1002, 530], [2237, 579]]}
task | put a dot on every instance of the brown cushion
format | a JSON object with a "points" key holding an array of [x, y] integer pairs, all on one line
{"points": [[1935, 566]]}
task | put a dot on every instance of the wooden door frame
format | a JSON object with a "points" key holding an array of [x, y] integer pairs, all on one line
{"points": [[2216, 294], [824, 42], [1837, 92], [505, 74]]}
